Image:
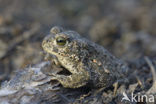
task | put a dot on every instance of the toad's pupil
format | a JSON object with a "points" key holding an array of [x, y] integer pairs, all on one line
{"points": [[61, 41]]}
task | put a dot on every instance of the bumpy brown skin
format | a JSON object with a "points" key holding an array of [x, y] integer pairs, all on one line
{"points": [[88, 62]]}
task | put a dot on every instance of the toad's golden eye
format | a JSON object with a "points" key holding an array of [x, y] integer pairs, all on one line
{"points": [[61, 41]]}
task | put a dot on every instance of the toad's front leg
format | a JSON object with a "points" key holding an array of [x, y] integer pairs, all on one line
{"points": [[72, 81]]}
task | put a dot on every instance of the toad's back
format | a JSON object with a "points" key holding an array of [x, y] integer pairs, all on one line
{"points": [[104, 67]]}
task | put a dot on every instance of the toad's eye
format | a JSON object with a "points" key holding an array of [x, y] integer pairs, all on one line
{"points": [[61, 41]]}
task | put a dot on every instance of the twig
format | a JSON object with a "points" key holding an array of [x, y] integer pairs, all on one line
{"points": [[153, 88]]}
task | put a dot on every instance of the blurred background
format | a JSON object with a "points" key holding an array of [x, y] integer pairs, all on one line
{"points": [[127, 28]]}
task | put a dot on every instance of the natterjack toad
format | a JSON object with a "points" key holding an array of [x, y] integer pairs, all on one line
{"points": [[88, 62]]}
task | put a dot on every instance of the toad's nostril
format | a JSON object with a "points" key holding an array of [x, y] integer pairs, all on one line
{"points": [[46, 39]]}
